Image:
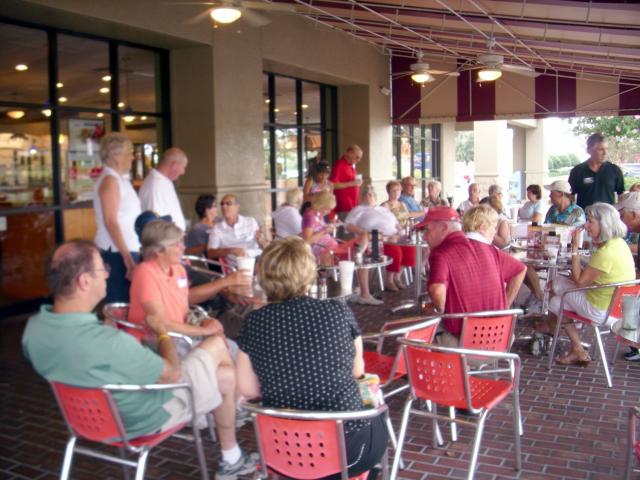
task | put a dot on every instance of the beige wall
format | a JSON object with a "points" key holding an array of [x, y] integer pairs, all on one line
{"points": [[216, 84]]}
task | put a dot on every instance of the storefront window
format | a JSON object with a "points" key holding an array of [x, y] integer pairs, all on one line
{"points": [[83, 72], [25, 160], [43, 140], [139, 79], [24, 65]]}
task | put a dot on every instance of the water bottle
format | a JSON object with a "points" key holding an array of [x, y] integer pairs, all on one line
{"points": [[322, 289]]}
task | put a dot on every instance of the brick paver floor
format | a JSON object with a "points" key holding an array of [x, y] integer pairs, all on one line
{"points": [[574, 426]]}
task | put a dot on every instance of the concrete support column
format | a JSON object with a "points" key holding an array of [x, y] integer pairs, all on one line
{"points": [[536, 168], [493, 154], [448, 156]]}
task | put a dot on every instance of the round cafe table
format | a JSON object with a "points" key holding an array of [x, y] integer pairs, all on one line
{"points": [[368, 263]]}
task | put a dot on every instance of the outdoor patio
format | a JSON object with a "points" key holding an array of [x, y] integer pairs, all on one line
{"points": [[574, 426]]}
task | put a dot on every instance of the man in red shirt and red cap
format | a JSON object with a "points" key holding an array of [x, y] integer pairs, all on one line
{"points": [[465, 275], [346, 185]]}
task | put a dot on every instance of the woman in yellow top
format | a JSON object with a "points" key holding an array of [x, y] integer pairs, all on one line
{"points": [[611, 262]]}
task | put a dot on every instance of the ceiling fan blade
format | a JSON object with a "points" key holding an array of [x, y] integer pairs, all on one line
{"points": [[272, 7], [254, 19], [520, 70], [197, 18]]}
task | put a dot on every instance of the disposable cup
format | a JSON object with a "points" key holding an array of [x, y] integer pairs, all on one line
{"points": [[346, 276], [552, 254], [246, 265], [359, 177]]}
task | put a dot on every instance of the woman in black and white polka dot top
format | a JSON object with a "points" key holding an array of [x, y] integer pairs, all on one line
{"points": [[303, 353]]}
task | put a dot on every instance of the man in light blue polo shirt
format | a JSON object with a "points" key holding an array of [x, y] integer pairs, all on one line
{"points": [[66, 343]]}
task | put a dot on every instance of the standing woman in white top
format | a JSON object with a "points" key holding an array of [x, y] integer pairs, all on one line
{"points": [[117, 206]]}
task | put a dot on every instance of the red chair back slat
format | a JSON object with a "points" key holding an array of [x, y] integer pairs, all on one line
{"points": [[487, 333], [437, 376], [87, 412], [616, 301], [426, 334], [299, 449]]}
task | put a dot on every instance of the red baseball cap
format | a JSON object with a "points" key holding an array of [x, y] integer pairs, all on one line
{"points": [[439, 214]]}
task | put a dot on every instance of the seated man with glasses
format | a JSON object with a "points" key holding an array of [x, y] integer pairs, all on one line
{"points": [[66, 343], [235, 235], [408, 185]]}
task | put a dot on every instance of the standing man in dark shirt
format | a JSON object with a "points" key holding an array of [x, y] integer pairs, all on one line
{"points": [[596, 180]]}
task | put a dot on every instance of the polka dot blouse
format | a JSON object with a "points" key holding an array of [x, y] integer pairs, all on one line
{"points": [[302, 352]]}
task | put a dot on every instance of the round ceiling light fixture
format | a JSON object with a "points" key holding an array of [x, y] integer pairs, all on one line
{"points": [[226, 14], [489, 74]]}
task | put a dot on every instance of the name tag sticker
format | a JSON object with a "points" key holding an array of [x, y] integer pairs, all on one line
{"points": [[182, 282], [588, 180]]}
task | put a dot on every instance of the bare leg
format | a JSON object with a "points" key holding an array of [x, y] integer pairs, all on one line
{"points": [[363, 280], [225, 413], [533, 282]]}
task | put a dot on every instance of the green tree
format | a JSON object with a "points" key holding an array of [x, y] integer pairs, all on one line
{"points": [[622, 134], [464, 147], [565, 160]]}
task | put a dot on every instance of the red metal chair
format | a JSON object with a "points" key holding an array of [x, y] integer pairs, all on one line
{"points": [[440, 375], [92, 414], [305, 445], [491, 330], [633, 444], [631, 288], [391, 368]]}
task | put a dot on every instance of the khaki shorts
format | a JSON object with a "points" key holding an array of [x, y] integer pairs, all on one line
{"points": [[198, 370]]}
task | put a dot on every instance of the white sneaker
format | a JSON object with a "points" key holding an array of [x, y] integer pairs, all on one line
{"points": [[535, 306], [368, 301]]}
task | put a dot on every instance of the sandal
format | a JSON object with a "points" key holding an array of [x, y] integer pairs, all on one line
{"points": [[581, 359]]}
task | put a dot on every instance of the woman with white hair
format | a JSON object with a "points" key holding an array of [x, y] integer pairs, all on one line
{"points": [[117, 206], [611, 262], [287, 220], [433, 199]]}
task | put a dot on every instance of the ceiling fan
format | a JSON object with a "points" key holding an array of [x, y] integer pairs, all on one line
{"points": [[491, 65], [421, 72], [228, 11]]}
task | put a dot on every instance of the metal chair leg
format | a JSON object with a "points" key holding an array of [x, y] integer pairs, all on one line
{"points": [[200, 451], [380, 278], [517, 427], [125, 470], [454, 429], [211, 424], [401, 435], [603, 357], [554, 343], [68, 458], [392, 436], [476, 444], [142, 464]]}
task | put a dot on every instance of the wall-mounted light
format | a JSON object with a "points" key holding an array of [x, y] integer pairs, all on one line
{"points": [[225, 14], [489, 74]]}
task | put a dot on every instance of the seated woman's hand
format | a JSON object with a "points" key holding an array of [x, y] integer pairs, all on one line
{"points": [[238, 251], [212, 326], [239, 278]]}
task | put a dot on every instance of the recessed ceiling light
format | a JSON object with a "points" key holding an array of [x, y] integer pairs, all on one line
{"points": [[59, 84], [100, 115], [15, 114], [267, 101], [21, 67], [121, 105], [143, 117], [46, 112], [104, 90], [304, 105], [276, 110], [62, 99], [129, 118], [106, 78]]}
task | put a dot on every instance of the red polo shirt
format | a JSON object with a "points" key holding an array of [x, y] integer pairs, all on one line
{"points": [[474, 274], [346, 198]]}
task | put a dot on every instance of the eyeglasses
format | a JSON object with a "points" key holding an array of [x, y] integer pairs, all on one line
{"points": [[106, 269], [222, 204]]}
